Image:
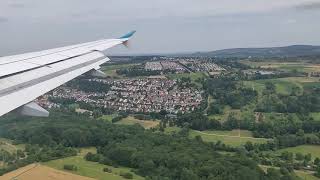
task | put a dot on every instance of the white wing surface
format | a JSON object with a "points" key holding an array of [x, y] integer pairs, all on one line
{"points": [[25, 77]]}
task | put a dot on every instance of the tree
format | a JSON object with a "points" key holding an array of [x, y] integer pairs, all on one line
{"points": [[299, 156], [317, 161], [273, 173], [108, 170], [270, 86], [300, 133], [288, 156], [70, 167], [308, 157], [187, 174], [249, 146], [317, 174], [126, 175]]}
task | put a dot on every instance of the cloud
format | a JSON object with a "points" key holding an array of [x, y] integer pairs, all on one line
{"points": [[3, 19], [309, 6], [17, 5], [291, 21]]}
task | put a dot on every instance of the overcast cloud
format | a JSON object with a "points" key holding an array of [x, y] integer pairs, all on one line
{"points": [[163, 25]]}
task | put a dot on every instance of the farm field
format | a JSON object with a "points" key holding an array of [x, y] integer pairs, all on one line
{"points": [[90, 169], [304, 149], [37, 171], [285, 66], [131, 121]]}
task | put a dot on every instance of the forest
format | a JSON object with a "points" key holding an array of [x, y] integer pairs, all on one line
{"points": [[150, 153]]}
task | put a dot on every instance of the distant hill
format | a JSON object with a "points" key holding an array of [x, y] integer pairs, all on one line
{"points": [[288, 51]]}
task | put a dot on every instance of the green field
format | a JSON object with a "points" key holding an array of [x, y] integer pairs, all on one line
{"points": [[193, 76], [284, 66], [91, 169], [227, 137], [315, 116], [110, 69], [304, 149], [306, 175], [130, 120], [108, 118], [283, 86], [7, 145], [170, 130]]}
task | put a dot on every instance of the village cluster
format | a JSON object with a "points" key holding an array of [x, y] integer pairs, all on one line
{"points": [[181, 65], [134, 95]]}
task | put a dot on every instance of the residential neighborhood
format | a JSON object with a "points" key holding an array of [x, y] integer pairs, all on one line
{"points": [[181, 65], [134, 95]]}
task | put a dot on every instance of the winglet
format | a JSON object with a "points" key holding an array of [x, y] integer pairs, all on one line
{"points": [[129, 35]]}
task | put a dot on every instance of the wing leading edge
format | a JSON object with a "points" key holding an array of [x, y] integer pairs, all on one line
{"points": [[25, 77]]}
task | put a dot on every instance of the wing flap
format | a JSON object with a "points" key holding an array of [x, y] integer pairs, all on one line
{"points": [[25, 77]]}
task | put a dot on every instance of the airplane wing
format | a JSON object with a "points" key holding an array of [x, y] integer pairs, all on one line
{"points": [[25, 77]]}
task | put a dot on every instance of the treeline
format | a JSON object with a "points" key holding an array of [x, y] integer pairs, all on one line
{"points": [[232, 63], [283, 127], [31, 154]]}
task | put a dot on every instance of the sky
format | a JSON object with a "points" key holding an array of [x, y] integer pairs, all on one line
{"points": [[163, 26]]}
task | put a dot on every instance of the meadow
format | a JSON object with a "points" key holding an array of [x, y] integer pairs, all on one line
{"points": [[284, 66], [130, 120], [110, 69], [90, 169], [231, 138], [108, 118], [283, 85], [314, 150], [193, 76], [305, 175]]}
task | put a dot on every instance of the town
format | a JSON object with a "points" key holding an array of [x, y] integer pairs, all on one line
{"points": [[152, 94]]}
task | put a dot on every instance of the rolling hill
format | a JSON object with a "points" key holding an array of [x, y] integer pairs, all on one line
{"points": [[287, 51]]}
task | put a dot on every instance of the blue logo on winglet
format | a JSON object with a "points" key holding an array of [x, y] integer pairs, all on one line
{"points": [[128, 35]]}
